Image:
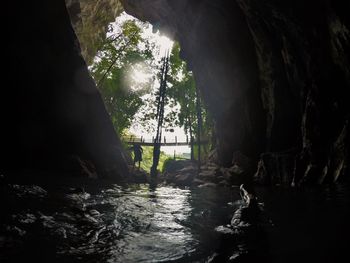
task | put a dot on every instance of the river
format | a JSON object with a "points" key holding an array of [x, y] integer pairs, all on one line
{"points": [[60, 222]]}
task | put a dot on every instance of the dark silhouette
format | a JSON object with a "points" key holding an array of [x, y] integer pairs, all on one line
{"points": [[160, 115], [137, 153]]}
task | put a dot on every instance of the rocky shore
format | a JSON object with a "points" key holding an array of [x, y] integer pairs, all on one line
{"points": [[210, 174]]}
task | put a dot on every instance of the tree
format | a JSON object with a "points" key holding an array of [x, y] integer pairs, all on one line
{"points": [[183, 91], [112, 69]]}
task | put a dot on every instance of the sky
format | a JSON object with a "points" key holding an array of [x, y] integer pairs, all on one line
{"points": [[163, 44]]}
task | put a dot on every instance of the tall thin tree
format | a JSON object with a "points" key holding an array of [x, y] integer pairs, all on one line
{"points": [[160, 114], [199, 126]]}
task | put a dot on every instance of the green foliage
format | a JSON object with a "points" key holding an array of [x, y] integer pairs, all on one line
{"points": [[119, 55], [112, 70], [182, 90], [165, 163], [180, 100], [147, 158]]}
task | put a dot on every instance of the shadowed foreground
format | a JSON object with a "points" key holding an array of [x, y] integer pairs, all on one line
{"points": [[60, 222]]}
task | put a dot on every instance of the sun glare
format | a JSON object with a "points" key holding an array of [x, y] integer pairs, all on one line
{"points": [[165, 44], [140, 75]]}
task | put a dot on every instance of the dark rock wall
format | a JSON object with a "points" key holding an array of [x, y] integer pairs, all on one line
{"points": [[275, 75], [303, 57], [51, 110]]}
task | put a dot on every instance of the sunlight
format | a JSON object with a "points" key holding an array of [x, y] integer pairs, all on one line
{"points": [[140, 75], [165, 44], [162, 42]]}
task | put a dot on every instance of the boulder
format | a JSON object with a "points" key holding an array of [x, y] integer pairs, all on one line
{"points": [[183, 179], [180, 172]]}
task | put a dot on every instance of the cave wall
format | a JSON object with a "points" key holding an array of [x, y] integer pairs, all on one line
{"points": [[52, 115], [90, 20], [275, 76], [303, 57]]}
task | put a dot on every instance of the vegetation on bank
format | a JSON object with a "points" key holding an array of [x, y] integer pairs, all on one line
{"points": [[147, 158]]}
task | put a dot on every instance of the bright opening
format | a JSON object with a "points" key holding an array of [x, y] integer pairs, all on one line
{"points": [[127, 69]]}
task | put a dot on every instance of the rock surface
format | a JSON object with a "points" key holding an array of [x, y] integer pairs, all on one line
{"points": [[50, 108], [90, 20], [185, 173]]}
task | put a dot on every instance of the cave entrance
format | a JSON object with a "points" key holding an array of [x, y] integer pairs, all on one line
{"points": [[129, 69]]}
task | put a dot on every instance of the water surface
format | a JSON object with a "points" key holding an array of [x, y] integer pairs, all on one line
{"points": [[110, 223]]}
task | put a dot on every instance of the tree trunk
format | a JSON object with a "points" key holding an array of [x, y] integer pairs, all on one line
{"points": [[199, 127], [191, 138]]}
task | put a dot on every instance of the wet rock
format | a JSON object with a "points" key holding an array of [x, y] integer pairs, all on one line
{"points": [[248, 212], [176, 165], [244, 223], [181, 179], [276, 168], [138, 175], [235, 169], [184, 178], [180, 173], [207, 175]]}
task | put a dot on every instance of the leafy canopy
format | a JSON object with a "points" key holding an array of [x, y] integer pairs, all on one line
{"points": [[113, 68]]}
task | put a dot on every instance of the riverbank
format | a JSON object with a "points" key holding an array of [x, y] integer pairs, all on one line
{"points": [[210, 174]]}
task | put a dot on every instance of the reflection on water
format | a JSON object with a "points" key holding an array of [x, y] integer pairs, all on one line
{"points": [[151, 224], [166, 224], [114, 224]]}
